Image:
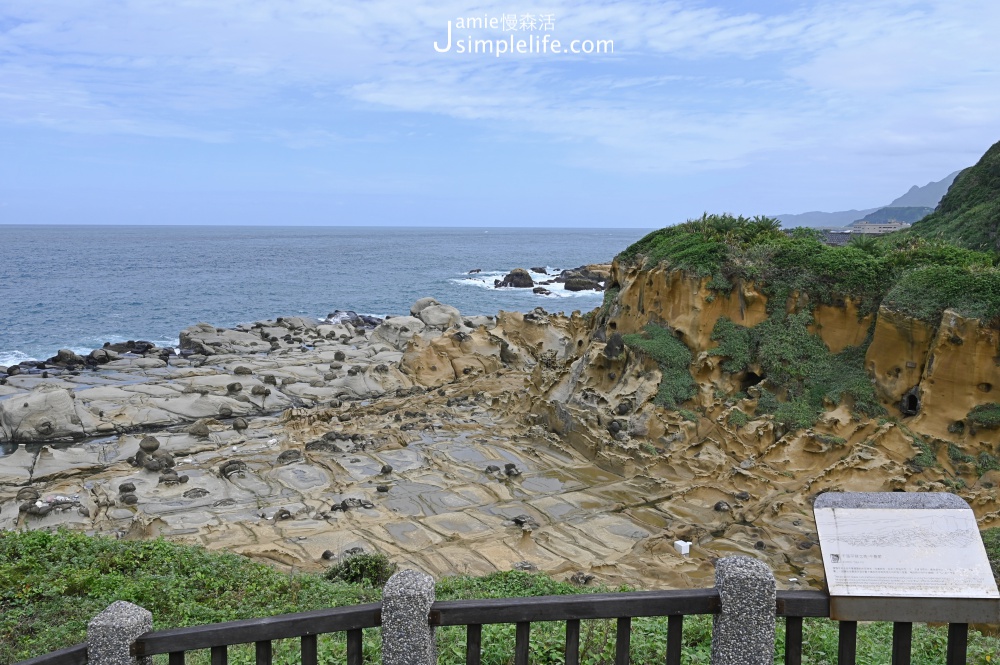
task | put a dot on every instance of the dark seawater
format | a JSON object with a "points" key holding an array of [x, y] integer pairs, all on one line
{"points": [[80, 286]]}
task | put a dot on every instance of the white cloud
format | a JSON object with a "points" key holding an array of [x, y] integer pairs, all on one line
{"points": [[691, 86]]}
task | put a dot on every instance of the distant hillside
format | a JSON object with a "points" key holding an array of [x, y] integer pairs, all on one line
{"points": [[891, 214], [816, 218], [969, 214], [927, 196]]}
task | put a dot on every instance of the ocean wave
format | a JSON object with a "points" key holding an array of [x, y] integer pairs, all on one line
{"points": [[485, 280], [8, 358], [81, 347]]}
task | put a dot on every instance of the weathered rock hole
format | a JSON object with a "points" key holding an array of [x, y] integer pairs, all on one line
{"points": [[751, 379], [910, 404], [985, 387]]}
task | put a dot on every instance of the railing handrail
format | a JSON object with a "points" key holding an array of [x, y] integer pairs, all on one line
{"points": [[464, 612], [245, 631], [74, 655]]}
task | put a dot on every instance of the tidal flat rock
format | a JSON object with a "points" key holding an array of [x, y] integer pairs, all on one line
{"points": [[45, 413], [397, 331]]}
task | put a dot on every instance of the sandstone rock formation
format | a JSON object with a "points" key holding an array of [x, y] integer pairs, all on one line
{"points": [[527, 437]]}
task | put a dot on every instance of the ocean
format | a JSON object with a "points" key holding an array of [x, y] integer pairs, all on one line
{"points": [[77, 287]]}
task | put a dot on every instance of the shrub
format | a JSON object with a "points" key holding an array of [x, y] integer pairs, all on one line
{"points": [[738, 419], [986, 462], [956, 454], [926, 458], [922, 276], [797, 362], [985, 416], [673, 357], [363, 568], [734, 345]]}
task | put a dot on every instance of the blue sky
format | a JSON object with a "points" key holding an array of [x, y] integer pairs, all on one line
{"points": [[342, 112]]}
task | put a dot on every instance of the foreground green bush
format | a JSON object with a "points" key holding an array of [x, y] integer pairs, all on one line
{"points": [[51, 584]]}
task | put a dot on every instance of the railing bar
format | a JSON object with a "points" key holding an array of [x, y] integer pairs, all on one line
{"points": [[793, 640], [573, 642], [847, 646], [263, 649], [675, 637], [220, 655], [473, 644], [176, 658], [355, 639], [308, 645], [623, 638], [521, 643], [958, 643], [902, 637]]}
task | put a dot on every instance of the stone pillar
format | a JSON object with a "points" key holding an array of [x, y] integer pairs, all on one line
{"points": [[110, 634], [407, 639], [743, 633]]}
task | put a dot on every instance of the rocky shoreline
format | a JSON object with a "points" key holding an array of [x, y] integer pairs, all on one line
{"points": [[299, 441], [459, 444]]}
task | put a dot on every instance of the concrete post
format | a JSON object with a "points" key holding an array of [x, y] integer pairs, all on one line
{"points": [[743, 633], [407, 639], [110, 634]]}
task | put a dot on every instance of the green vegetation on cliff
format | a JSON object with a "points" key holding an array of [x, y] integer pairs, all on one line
{"points": [[797, 363], [969, 214], [51, 584], [920, 276], [916, 276], [658, 343]]}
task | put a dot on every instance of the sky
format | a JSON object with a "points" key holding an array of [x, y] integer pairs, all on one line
{"points": [[349, 112]]}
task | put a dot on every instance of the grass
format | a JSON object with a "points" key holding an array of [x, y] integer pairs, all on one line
{"points": [[676, 384], [51, 584], [985, 416], [926, 458]]}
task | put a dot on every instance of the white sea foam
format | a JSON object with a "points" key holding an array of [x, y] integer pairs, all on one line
{"points": [[8, 358], [485, 280]]}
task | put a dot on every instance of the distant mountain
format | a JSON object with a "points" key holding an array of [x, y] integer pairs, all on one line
{"points": [[817, 218], [969, 214], [897, 214], [927, 196]]}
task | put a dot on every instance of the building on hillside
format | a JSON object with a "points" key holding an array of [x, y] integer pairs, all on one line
{"points": [[877, 228], [836, 238]]}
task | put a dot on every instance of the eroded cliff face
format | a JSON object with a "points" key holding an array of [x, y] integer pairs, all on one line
{"points": [[748, 488]]}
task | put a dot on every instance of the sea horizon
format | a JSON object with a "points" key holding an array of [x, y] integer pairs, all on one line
{"points": [[78, 286]]}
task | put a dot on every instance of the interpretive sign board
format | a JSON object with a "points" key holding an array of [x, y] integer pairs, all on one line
{"points": [[879, 546]]}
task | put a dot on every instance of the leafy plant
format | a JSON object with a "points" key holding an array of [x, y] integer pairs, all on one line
{"points": [[673, 357], [738, 419], [986, 462], [985, 416], [362, 568], [798, 363], [956, 454], [926, 458]]}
